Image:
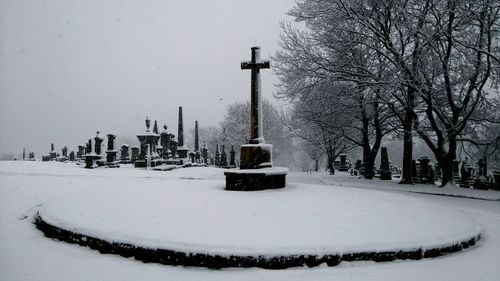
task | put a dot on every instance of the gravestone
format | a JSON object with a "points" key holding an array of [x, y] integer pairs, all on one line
{"points": [[196, 142], [223, 157], [456, 172], [182, 149], [414, 172], [385, 169], [438, 175], [124, 154], [464, 175], [80, 151], [111, 161], [256, 172], [232, 157], [481, 180], [426, 172], [64, 151], [72, 156], [52, 154], [148, 141], [217, 154], [204, 153], [32, 156], [135, 153], [344, 166], [88, 147], [98, 150]]}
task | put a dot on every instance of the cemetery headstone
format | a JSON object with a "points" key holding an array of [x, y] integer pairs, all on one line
{"points": [[204, 153], [223, 157], [426, 172], [135, 153], [232, 157], [182, 149], [124, 154], [344, 166], [385, 169], [111, 161], [72, 156]]}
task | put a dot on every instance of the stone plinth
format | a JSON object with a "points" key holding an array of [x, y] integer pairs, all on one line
{"points": [[255, 156], [256, 179]]}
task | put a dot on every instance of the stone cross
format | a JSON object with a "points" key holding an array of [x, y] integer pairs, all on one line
{"points": [[256, 128]]}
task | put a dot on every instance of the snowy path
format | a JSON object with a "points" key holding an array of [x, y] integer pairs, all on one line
{"points": [[25, 254]]}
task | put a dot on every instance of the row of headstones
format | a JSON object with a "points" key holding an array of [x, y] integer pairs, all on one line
{"points": [[423, 171], [54, 156]]}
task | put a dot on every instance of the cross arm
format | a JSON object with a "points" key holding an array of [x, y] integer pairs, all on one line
{"points": [[257, 65]]}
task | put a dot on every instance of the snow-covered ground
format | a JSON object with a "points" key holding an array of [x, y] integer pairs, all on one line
{"points": [[25, 254]]}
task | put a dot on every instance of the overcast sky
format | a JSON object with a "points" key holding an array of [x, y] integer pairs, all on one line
{"points": [[70, 68]]}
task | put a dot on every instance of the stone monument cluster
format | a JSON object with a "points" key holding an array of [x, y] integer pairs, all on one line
{"points": [[159, 150]]}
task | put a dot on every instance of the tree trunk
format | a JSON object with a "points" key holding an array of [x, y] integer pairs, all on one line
{"points": [[316, 161], [407, 177]]}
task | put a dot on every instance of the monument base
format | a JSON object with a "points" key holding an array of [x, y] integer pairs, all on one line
{"points": [[256, 156], [256, 179]]}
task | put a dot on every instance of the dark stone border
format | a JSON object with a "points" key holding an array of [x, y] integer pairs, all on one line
{"points": [[172, 257]]}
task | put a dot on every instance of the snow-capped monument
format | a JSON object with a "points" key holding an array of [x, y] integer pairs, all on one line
{"points": [[256, 172]]}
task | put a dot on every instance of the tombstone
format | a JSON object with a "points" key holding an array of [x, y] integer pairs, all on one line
{"points": [[426, 174], [111, 161], [217, 155], [414, 172], [343, 163], [481, 181], [72, 156], [124, 154], [438, 174], [52, 154], [232, 157], [223, 157], [98, 150], [165, 142], [182, 149], [385, 169], [256, 172], [64, 152], [80, 151], [148, 141], [88, 147], [135, 153], [464, 175], [45, 158], [98, 144], [456, 172], [31, 156], [196, 142], [204, 153]]}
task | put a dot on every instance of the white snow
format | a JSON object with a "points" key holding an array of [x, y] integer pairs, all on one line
{"points": [[26, 255]]}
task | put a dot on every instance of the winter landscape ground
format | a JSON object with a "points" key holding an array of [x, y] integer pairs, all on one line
{"points": [[89, 199]]}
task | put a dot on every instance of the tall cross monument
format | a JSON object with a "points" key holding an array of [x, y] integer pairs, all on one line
{"points": [[255, 65], [256, 166]]}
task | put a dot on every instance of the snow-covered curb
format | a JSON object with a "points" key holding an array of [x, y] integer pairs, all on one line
{"points": [[175, 257]]}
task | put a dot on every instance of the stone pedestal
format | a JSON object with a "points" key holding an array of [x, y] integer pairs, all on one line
{"points": [[255, 179], [255, 156]]}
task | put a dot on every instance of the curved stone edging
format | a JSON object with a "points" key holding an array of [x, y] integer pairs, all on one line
{"points": [[172, 257]]}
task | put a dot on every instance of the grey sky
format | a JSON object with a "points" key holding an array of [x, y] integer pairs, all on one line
{"points": [[69, 68]]}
